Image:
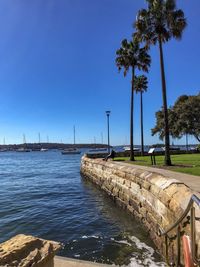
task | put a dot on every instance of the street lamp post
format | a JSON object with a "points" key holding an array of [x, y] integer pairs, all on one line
{"points": [[108, 115]]}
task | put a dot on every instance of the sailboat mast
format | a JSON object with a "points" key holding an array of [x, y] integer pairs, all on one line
{"points": [[24, 139], [102, 138], [74, 135]]}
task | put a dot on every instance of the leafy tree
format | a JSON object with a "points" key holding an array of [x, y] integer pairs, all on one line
{"points": [[160, 124], [184, 118], [160, 22], [131, 56], [187, 109], [141, 85]]}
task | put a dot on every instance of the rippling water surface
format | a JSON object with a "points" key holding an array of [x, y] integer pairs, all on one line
{"points": [[43, 194]]}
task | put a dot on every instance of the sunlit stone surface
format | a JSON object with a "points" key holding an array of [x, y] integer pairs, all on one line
{"points": [[27, 251]]}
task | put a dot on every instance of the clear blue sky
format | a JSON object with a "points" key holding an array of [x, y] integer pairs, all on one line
{"points": [[57, 69]]}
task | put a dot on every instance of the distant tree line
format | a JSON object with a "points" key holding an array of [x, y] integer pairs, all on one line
{"points": [[38, 146]]}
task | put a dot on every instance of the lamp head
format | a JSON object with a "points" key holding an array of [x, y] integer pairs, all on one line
{"points": [[108, 112]]}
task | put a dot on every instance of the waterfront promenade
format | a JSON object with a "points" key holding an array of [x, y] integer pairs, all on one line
{"points": [[191, 181]]}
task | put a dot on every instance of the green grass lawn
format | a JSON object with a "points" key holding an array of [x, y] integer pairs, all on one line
{"points": [[186, 163]]}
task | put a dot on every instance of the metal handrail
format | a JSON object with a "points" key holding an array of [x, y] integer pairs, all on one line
{"points": [[193, 199], [190, 207]]}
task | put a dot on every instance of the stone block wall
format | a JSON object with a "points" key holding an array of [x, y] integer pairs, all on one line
{"points": [[157, 201]]}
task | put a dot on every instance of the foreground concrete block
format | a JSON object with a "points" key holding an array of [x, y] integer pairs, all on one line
{"points": [[66, 262], [28, 251]]}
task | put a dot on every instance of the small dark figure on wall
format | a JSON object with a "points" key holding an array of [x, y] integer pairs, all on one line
{"points": [[110, 156]]}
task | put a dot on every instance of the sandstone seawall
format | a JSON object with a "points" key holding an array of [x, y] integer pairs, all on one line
{"points": [[155, 200]]}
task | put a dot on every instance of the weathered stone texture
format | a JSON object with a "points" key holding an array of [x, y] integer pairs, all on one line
{"points": [[27, 251], [154, 199]]}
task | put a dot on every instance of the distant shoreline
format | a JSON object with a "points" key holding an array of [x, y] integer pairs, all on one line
{"points": [[50, 146]]}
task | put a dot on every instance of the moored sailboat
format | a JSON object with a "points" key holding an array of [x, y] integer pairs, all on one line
{"points": [[71, 151], [24, 148]]}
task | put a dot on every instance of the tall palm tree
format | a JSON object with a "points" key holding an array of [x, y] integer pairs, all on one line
{"points": [[141, 85], [160, 22], [131, 56]]}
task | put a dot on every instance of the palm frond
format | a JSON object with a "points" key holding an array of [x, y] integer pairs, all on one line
{"points": [[160, 20], [130, 55], [141, 83]]}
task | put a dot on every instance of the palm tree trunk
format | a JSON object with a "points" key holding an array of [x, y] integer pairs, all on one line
{"points": [[197, 137], [164, 94], [141, 123], [186, 135], [131, 116]]}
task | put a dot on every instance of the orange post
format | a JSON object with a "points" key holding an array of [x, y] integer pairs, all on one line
{"points": [[187, 252]]}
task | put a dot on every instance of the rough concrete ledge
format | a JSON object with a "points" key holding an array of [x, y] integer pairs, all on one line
{"points": [[66, 262], [27, 251], [156, 198]]}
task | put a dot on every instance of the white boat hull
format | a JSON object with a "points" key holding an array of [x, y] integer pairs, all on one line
{"points": [[70, 152]]}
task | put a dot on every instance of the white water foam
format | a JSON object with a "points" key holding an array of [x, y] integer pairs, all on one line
{"points": [[122, 242], [145, 258], [91, 236]]}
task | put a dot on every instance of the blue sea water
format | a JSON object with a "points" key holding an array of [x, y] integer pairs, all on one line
{"points": [[43, 194]]}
